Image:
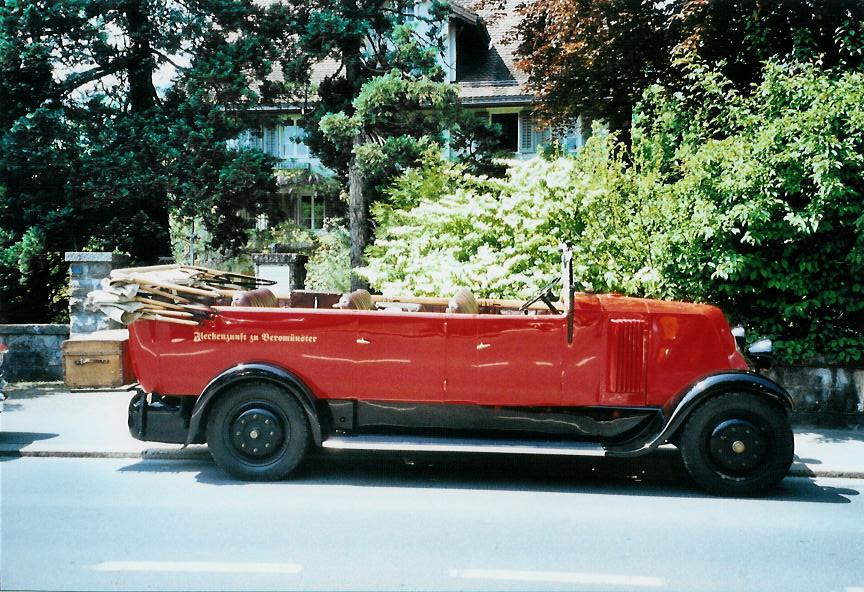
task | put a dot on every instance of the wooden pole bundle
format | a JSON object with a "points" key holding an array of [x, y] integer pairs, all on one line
{"points": [[179, 294], [143, 280], [159, 304], [167, 313], [158, 292], [176, 321]]}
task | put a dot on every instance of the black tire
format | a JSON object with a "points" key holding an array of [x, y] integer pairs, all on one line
{"points": [[257, 432], [737, 444]]}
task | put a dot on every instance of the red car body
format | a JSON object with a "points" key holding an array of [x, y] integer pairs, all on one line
{"points": [[625, 352], [610, 375]]}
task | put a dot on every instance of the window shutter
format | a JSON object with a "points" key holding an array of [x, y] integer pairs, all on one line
{"points": [[270, 141], [287, 141], [527, 143], [543, 136], [256, 140]]}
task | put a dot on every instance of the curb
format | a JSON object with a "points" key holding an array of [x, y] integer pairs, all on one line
{"points": [[201, 453], [799, 470]]}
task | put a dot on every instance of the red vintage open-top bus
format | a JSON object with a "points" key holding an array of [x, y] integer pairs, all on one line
{"points": [[582, 374]]}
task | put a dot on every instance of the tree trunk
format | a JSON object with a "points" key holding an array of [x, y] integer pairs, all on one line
{"points": [[142, 93], [623, 126], [142, 103], [357, 216]]}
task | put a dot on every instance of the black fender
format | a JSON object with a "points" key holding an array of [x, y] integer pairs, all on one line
{"points": [[697, 392], [255, 371]]}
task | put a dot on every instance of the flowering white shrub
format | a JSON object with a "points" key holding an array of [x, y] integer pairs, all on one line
{"points": [[501, 238]]}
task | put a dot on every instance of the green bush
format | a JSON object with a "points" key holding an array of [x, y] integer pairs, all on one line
{"points": [[752, 202], [328, 269], [27, 268], [777, 178]]}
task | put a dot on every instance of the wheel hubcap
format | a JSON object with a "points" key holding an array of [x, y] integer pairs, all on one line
{"points": [[257, 433], [738, 445]]}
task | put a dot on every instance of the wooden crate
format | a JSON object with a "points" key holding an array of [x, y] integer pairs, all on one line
{"points": [[97, 360]]}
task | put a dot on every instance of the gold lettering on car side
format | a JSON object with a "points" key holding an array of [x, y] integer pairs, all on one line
{"points": [[290, 338], [212, 336]]}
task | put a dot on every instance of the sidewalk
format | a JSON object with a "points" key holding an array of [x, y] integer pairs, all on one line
{"points": [[45, 419]]}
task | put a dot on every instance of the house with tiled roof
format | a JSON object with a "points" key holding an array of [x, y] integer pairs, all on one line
{"points": [[478, 57]]}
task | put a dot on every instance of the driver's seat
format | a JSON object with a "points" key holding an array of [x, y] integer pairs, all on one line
{"points": [[463, 302]]}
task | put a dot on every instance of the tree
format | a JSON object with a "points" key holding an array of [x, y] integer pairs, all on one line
{"points": [[593, 56], [385, 101], [396, 117], [598, 56], [97, 145]]}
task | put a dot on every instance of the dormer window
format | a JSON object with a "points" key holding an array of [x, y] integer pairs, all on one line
{"points": [[470, 56]]}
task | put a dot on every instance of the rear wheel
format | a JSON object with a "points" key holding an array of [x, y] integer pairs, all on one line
{"points": [[257, 431], [737, 444]]}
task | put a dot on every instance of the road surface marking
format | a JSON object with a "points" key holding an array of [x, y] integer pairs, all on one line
{"points": [[197, 567], [560, 577]]}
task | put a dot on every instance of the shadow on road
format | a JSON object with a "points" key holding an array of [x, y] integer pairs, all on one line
{"points": [[11, 443], [24, 438], [659, 474]]}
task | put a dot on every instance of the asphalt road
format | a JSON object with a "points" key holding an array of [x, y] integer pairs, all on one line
{"points": [[378, 522]]}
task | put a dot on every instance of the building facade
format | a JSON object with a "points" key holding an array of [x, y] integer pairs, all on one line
{"points": [[478, 57]]}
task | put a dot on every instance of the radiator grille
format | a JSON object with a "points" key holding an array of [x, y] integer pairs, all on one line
{"points": [[627, 339]]}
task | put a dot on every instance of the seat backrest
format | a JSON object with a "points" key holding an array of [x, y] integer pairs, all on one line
{"points": [[356, 300], [262, 297], [463, 302]]}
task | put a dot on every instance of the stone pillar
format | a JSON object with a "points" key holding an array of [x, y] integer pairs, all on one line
{"points": [[86, 270], [288, 270]]}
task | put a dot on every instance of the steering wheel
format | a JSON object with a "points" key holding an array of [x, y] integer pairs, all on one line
{"points": [[545, 295]]}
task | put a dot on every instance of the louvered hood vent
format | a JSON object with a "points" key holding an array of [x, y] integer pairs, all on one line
{"points": [[627, 346]]}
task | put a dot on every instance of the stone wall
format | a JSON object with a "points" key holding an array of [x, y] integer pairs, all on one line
{"points": [[34, 351], [824, 395]]}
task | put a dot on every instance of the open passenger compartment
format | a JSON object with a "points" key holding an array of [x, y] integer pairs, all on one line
{"points": [[363, 300]]}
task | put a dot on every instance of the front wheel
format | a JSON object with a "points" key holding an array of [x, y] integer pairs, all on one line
{"points": [[257, 432], [737, 444]]}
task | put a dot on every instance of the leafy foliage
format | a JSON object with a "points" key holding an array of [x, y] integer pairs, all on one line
{"points": [[97, 145], [358, 40], [749, 201], [396, 115], [596, 57], [328, 269]]}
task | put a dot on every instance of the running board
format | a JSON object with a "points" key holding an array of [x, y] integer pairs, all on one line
{"points": [[431, 444]]}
